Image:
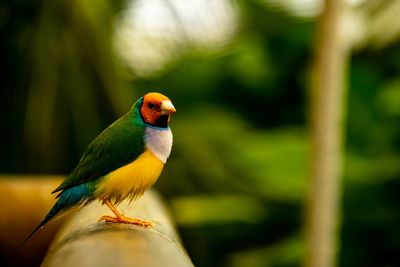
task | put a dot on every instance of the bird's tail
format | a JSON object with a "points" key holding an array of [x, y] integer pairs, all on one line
{"points": [[66, 199], [54, 211]]}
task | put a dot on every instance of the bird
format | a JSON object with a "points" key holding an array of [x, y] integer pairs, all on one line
{"points": [[122, 162]]}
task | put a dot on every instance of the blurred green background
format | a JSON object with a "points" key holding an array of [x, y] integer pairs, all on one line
{"points": [[238, 74]]}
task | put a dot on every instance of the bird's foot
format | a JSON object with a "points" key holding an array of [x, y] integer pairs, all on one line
{"points": [[127, 220]]}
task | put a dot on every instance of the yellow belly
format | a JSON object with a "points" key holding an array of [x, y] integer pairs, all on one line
{"points": [[131, 180]]}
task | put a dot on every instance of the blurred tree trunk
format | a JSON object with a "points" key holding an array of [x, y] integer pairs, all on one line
{"points": [[327, 102]]}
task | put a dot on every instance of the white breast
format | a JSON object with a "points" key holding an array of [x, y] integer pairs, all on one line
{"points": [[159, 141]]}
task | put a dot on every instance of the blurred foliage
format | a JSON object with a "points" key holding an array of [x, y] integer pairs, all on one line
{"points": [[237, 175]]}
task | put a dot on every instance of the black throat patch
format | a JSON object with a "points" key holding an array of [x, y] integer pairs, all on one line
{"points": [[162, 121]]}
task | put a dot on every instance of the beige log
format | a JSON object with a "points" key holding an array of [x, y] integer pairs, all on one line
{"points": [[82, 241], [85, 242]]}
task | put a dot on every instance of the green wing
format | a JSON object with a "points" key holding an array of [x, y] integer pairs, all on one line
{"points": [[116, 146]]}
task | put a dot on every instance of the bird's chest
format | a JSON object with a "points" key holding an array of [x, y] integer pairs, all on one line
{"points": [[159, 141], [131, 180]]}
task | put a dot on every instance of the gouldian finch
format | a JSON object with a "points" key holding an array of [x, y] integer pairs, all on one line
{"points": [[122, 162]]}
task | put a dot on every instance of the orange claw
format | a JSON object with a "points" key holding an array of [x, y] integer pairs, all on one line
{"points": [[120, 218], [126, 220]]}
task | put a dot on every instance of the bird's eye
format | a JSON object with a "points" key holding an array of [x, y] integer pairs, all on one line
{"points": [[151, 105]]}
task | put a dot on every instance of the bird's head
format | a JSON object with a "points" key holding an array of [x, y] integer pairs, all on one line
{"points": [[156, 109]]}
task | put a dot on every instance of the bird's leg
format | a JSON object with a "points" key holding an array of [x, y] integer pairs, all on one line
{"points": [[120, 218]]}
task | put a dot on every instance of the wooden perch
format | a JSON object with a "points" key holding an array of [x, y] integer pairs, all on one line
{"points": [[85, 242], [82, 240]]}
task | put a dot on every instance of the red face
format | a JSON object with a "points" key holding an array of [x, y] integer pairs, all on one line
{"points": [[156, 109]]}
